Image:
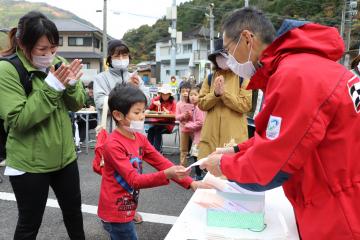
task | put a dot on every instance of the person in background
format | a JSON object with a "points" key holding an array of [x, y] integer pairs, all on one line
{"points": [[307, 133], [174, 87], [355, 65], [183, 114], [90, 106], [118, 59], [194, 125], [90, 102], [165, 103], [173, 82], [224, 97], [124, 152], [40, 148]]}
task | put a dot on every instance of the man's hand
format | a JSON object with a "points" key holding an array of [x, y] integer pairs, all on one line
{"points": [[212, 164], [199, 184], [226, 150]]}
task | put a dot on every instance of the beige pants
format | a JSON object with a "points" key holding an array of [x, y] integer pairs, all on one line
{"points": [[184, 147]]}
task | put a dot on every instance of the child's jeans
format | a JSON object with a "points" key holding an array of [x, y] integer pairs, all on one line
{"points": [[121, 231]]}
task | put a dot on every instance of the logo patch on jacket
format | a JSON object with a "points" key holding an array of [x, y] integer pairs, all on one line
{"points": [[354, 91], [273, 127]]}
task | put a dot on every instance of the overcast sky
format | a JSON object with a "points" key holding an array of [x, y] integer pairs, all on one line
{"points": [[133, 13]]}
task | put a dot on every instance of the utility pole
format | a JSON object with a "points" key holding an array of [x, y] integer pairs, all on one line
{"points": [[212, 19], [348, 13], [342, 25], [104, 34], [246, 3], [173, 40]]}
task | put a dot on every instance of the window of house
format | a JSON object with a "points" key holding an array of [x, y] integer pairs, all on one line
{"points": [[86, 65], [96, 43], [187, 48], [80, 41], [167, 72], [60, 41], [181, 72]]}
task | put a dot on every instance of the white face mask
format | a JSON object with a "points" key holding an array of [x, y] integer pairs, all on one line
{"points": [[136, 126], [120, 64], [245, 70], [222, 62], [42, 61]]}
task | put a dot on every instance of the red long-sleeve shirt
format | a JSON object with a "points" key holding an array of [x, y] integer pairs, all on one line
{"points": [[122, 176], [169, 105]]}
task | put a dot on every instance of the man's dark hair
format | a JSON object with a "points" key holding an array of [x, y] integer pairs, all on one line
{"points": [[249, 19], [123, 97]]}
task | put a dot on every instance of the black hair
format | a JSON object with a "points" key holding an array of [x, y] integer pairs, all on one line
{"points": [[184, 84], [355, 62], [90, 85], [252, 20], [116, 47], [171, 99], [31, 27], [123, 97]]}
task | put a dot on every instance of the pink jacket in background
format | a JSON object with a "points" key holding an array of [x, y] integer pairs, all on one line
{"points": [[181, 108], [195, 124]]}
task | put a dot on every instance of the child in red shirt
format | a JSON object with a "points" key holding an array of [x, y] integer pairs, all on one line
{"points": [[124, 151], [165, 103]]}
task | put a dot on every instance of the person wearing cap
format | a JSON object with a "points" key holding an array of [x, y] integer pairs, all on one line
{"points": [[166, 103], [224, 97], [118, 59]]}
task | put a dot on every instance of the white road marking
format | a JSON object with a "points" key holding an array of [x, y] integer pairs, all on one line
{"points": [[147, 217]]}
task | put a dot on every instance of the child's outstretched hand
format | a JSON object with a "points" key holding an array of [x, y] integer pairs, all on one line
{"points": [[176, 172]]}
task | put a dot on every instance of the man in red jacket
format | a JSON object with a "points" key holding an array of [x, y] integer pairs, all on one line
{"points": [[307, 134]]}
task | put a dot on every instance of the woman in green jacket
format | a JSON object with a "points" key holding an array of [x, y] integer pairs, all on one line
{"points": [[40, 150]]}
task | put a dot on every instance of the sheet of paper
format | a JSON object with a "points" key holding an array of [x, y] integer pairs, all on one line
{"points": [[197, 163]]}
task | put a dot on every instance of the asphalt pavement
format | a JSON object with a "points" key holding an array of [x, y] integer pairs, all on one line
{"points": [[160, 205]]}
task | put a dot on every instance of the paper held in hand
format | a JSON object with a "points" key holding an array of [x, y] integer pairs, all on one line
{"points": [[197, 163]]}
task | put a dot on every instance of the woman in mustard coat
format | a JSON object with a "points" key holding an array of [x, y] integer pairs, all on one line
{"points": [[226, 102]]}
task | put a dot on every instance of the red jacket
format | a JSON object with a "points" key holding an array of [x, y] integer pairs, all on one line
{"points": [[169, 105], [122, 176], [307, 134]]}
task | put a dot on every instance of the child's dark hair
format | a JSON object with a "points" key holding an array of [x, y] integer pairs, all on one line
{"points": [[184, 84], [123, 97], [171, 99], [90, 85], [196, 87]]}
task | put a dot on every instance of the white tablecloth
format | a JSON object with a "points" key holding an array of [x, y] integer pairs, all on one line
{"points": [[279, 220]]}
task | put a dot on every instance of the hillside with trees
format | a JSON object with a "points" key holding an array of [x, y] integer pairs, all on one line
{"points": [[11, 11], [192, 14]]}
